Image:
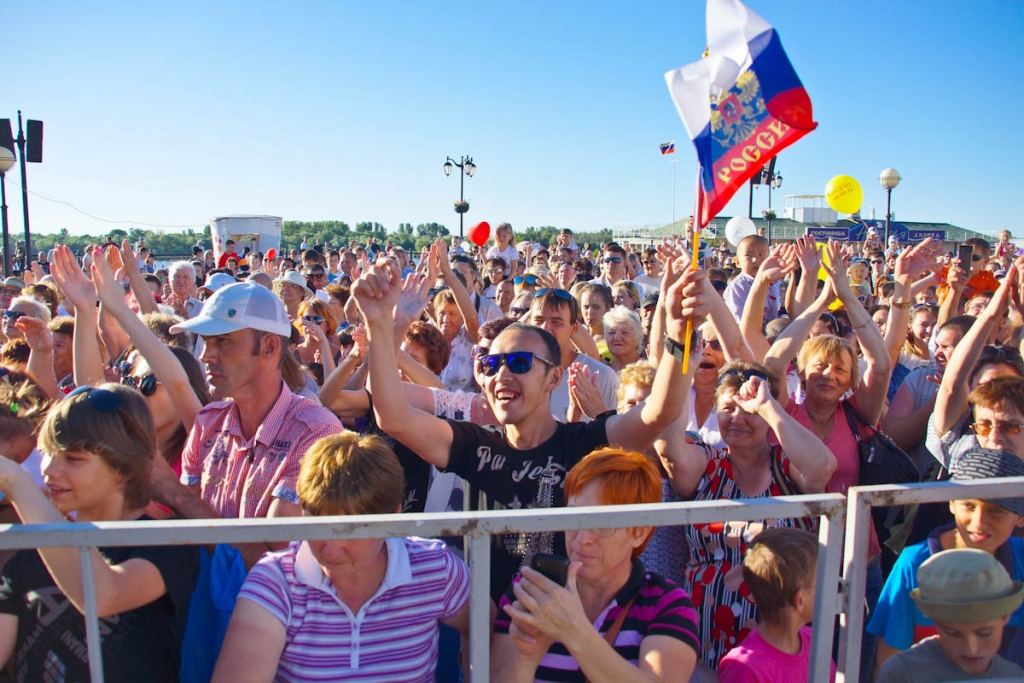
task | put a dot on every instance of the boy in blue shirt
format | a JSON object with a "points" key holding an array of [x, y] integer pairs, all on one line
{"points": [[986, 525]]}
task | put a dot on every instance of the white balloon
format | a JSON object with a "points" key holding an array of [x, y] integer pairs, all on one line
{"points": [[739, 227]]}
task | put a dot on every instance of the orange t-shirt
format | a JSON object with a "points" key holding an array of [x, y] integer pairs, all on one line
{"points": [[984, 281]]}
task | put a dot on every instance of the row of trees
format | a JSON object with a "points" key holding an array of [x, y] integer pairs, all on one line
{"points": [[293, 233]]}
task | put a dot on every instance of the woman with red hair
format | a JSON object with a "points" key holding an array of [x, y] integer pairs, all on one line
{"points": [[545, 631]]}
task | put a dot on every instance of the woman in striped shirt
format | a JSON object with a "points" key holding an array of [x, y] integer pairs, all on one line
{"points": [[612, 617], [354, 610]]}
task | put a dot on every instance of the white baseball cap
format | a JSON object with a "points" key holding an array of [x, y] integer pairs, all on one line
{"points": [[217, 281], [243, 305]]}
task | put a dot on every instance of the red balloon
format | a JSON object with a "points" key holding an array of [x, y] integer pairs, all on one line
{"points": [[480, 233], [272, 254]]}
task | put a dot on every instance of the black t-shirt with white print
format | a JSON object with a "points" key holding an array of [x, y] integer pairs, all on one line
{"points": [[142, 644], [514, 479]]}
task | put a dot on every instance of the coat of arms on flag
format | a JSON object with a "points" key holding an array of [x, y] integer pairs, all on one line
{"points": [[741, 104], [668, 147]]}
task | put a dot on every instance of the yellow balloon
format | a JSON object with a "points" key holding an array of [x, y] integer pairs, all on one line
{"points": [[843, 194], [823, 253]]}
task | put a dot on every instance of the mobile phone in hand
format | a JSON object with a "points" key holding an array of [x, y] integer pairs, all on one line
{"points": [[555, 567], [965, 253]]}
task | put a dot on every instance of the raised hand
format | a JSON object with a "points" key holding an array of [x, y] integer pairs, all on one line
{"points": [[37, 334], [377, 290], [72, 281], [411, 302], [957, 276], [780, 263], [836, 269], [129, 261], [108, 287], [922, 257], [688, 297], [753, 396], [808, 256]]}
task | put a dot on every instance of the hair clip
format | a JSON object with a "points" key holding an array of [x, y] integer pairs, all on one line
{"points": [[14, 409]]}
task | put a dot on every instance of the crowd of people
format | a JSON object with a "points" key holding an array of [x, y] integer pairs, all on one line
{"points": [[362, 381]]}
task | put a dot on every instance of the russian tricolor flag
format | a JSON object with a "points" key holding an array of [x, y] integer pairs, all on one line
{"points": [[667, 147], [741, 104]]}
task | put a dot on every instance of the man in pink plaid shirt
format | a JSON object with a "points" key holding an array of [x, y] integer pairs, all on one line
{"points": [[243, 453]]}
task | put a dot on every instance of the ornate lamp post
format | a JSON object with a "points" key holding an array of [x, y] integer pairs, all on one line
{"points": [[889, 178], [6, 163], [468, 168]]}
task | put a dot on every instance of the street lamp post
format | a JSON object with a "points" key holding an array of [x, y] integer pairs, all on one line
{"points": [[6, 162], [774, 182], [467, 168], [889, 178]]}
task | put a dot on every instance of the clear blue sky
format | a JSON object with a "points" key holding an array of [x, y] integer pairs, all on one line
{"points": [[170, 113]]}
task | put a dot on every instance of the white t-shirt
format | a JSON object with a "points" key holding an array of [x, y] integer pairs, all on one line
{"points": [[509, 254]]}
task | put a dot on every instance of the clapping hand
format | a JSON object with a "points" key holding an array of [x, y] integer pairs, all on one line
{"points": [[808, 256]]}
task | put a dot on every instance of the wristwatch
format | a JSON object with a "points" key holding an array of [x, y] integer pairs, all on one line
{"points": [[674, 348]]}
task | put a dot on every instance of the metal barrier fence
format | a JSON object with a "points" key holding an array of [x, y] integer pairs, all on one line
{"points": [[838, 514], [476, 527], [860, 500]]}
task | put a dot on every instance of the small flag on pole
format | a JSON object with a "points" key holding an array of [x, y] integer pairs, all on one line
{"points": [[668, 147], [741, 104]]}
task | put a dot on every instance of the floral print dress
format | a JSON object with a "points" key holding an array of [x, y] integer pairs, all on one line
{"points": [[714, 575]]}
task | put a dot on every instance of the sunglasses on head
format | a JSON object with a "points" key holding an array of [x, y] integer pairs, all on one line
{"points": [[560, 293], [518, 362], [744, 375], [103, 400], [528, 279], [146, 386], [317, 319], [1003, 428], [999, 354], [516, 310], [613, 259]]}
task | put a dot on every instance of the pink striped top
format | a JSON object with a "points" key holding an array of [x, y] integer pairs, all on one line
{"points": [[393, 637]]}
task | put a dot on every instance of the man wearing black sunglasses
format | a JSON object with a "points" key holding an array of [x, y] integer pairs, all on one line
{"points": [[613, 266], [523, 462]]}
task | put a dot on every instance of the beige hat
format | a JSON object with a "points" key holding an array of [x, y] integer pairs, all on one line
{"points": [[965, 586], [292, 277]]}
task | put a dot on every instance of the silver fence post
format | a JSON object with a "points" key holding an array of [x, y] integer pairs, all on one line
{"points": [[479, 606], [851, 621], [830, 539], [92, 621]]}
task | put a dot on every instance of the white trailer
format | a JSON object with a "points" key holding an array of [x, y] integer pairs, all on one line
{"points": [[261, 233]]}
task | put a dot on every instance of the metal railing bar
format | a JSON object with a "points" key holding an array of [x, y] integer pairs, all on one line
{"points": [[92, 621], [830, 540], [282, 529], [940, 491], [851, 620], [480, 608]]}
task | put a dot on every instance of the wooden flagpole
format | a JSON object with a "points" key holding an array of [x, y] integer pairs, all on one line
{"points": [[698, 226]]}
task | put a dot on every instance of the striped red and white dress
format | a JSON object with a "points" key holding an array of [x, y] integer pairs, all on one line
{"points": [[392, 638]]}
